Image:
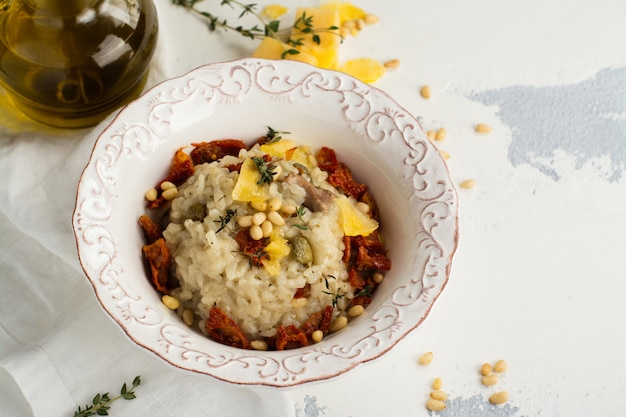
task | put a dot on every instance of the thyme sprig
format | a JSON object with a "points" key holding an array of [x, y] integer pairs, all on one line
{"points": [[101, 403], [335, 293], [300, 212], [267, 170], [224, 220], [265, 28], [274, 135]]}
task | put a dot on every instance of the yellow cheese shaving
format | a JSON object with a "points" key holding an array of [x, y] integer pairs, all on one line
{"points": [[365, 69], [353, 221], [277, 249], [274, 11], [246, 188]]}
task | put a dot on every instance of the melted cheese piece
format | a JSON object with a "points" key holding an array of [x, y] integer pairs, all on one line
{"points": [[277, 249], [353, 221], [247, 188]]}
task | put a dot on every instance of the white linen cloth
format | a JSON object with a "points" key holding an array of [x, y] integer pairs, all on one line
{"points": [[58, 348]]}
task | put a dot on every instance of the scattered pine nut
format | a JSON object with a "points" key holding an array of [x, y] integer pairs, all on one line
{"points": [[378, 277], [441, 134], [170, 302], [437, 384], [426, 358], [258, 345], [499, 397], [439, 395], [435, 405], [425, 92], [151, 194], [356, 311], [500, 366], [468, 184], [170, 193], [392, 63], [188, 316], [489, 380], [482, 128], [485, 369], [339, 323], [317, 336], [431, 134], [445, 154], [166, 185]]}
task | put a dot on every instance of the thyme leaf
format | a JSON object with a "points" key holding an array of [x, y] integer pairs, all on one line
{"points": [[224, 220], [335, 293], [266, 170], [101, 403], [300, 212], [274, 135]]}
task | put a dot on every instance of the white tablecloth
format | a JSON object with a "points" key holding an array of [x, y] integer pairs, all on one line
{"points": [[538, 278]]}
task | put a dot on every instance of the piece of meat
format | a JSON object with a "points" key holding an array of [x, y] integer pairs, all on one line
{"points": [[316, 199], [225, 330]]}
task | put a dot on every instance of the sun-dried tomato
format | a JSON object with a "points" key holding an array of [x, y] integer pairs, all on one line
{"points": [[327, 159], [158, 256], [318, 321], [290, 337], [180, 170], [372, 258], [225, 330], [304, 292], [339, 174], [215, 150], [150, 229], [254, 249]]}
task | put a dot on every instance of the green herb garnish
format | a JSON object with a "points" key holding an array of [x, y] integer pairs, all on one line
{"points": [[335, 293], [265, 169], [264, 28], [101, 403], [274, 135], [224, 220], [300, 212]]}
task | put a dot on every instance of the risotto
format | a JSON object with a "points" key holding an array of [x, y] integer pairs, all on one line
{"points": [[270, 246]]}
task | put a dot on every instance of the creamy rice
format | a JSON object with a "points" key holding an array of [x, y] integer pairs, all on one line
{"points": [[212, 271]]}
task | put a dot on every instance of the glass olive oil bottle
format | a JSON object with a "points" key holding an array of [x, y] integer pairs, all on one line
{"points": [[69, 63]]}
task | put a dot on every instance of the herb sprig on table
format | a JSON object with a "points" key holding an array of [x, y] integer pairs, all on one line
{"points": [[272, 28], [101, 403]]}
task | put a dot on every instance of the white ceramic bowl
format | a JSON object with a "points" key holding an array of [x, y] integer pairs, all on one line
{"points": [[383, 144]]}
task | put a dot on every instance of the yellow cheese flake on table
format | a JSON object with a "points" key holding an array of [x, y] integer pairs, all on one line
{"points": [[271, 48], [277, 249], [327, 51], [353, 221], [247, 188], [274, 11], [347, 11], [365, 69]]}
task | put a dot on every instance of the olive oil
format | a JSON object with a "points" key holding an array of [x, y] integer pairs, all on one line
{"points": [[69, 63]]}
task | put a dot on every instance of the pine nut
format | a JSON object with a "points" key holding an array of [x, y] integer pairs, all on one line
{"points": [[349, 24], [437, 384], [378, 277], [245, 221], [490, 380], [258, 344], [371, 19], [445, 155], [426, 358], [275, 218], [392, 63], [363, 207], [188, 316], [170, 193], [317, 336], [425, 92], [356, 311], [439, 395], [468, 184], [482, 128], [166, 185], [274, 204], [266, 228], [338, 324], [435, 405], [170, 302], [431, 134], [485, 369], [259, 205], [151, 194], [288, 209], [500, 366], [499, 397], [299, 302], [258, 218], [256, 232], [441, 134]]}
